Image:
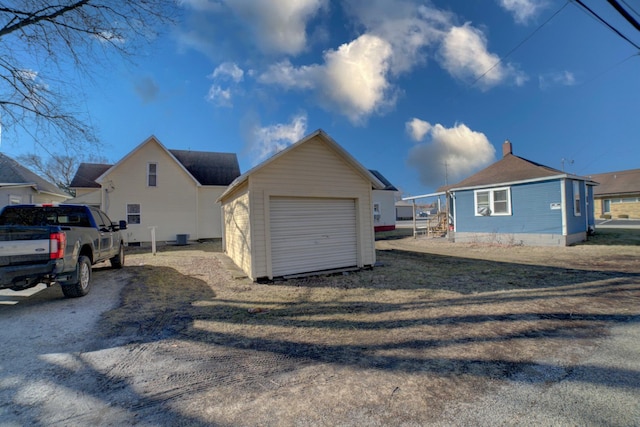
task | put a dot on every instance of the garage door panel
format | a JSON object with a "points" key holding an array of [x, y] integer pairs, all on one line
{"points": [[312, 234]]}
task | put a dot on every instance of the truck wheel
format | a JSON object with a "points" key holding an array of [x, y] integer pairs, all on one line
{"points": [[118, 260], [82, 286]]}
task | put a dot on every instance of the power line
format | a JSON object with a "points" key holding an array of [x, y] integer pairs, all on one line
{"points": [[521, 43], [630, 7], [622, 11], [611, 27]]}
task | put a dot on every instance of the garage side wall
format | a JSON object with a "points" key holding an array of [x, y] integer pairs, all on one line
{"points": [[237, 231], [311, 170]]}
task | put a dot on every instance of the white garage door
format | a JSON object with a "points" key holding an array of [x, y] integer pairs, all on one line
{"points": [[310, 234]]}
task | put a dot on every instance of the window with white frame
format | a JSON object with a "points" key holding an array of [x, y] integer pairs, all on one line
{"points": [[376, 211], [496, 201], [133, 213], [576, 198], [152, 174], [14, 200]]}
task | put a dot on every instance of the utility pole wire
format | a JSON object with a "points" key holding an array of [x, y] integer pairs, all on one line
{"points": [[526, 39], [606, 23], [630, 7], [625, 14]]}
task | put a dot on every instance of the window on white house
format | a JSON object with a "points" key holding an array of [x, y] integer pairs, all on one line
{"points": [[376, 211], [493, 202], [576, 198], [152, 176], [133, 213], [14, 200]]}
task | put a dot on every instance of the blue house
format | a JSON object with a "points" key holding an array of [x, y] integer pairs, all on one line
{"points": [[517, 201]]}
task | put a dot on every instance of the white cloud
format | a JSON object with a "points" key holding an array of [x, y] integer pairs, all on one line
{"points": [[417, 128], [219, 96], [523, 10], [267, 141], [407, 27], [278, 26], [352, 79], [562, 78], [465, 56], [228, 69], [450, 154]]}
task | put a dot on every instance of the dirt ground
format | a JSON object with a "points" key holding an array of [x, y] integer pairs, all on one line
{"points": [[423, 338]]}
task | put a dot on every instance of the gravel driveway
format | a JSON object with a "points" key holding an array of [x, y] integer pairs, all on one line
{"points": [[62, 363]]}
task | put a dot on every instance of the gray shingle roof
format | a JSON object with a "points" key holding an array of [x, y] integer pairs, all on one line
{"points": [[12, 172], [209, 168], [206, 167], [87, 174], [510, 168], [622, 182], [383, 180]]}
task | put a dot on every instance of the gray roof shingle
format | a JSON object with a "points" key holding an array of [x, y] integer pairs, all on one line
{"points": [[510, 168], [208, 168], [87, 174], [12, 172], [622, 182], [383, 180]]}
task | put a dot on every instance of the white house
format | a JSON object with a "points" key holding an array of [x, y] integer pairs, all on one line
{"points": [[384, 212], [306, 209], [156, 190]]}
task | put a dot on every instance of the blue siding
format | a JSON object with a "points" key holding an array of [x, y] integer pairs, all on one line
{"points": [[530, 211], [576, 224]]}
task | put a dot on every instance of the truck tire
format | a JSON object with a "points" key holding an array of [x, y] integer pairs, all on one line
{"points": [[82, 286], [118, 260]]}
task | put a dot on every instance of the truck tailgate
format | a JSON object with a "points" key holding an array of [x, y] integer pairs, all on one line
{"points": [[19, 245]]}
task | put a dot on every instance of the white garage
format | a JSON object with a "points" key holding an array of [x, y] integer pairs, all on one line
{"points": [[306, 209]]}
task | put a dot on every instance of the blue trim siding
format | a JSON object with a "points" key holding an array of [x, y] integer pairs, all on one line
{"points": [[575, 224], [531, 207]]}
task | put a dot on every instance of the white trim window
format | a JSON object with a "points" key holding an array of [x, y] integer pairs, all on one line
{"points": [[376, 212], [576, 198], [14, 199], [133, 213], [152, 174], [496, 201]]}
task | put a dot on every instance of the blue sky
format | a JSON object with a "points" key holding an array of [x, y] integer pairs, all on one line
{"points": [[404, 86]]}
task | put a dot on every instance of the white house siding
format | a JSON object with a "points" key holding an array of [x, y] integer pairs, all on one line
{"points": [[26, 194], [171, 206], [386, 199], [312, 169], [209, 212], [237, 231]]}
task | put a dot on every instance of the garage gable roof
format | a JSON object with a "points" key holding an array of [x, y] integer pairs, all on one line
{"points": [[375, 182]]}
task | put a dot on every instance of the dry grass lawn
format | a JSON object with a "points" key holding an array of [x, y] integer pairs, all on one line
{"points": [[435, 322]]}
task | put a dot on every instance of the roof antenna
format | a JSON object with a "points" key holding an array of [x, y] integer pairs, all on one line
{"points": [[568, 161]]}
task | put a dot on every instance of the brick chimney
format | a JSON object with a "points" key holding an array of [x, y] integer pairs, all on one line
{"points": [[507, 148]]}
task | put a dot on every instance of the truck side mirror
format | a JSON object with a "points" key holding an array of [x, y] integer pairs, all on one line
{"points": [[123, 224]]}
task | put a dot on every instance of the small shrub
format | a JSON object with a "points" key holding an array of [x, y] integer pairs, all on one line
{"points": [[605, 216], [623, 216]]}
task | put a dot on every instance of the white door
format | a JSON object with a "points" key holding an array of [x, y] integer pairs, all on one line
{"points": [[312, 234]]}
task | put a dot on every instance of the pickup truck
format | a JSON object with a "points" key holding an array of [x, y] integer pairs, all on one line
{"points": [[56, 243]]}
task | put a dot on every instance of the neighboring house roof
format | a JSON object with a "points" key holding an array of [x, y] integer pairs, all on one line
{"points": [[375, 182], [509, 169], [87, 174], [621, 182], [204, 167], [13, 173], [387, 185]]}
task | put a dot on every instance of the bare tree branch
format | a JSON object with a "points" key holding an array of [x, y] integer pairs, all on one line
{"points": [[45, 44]]}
